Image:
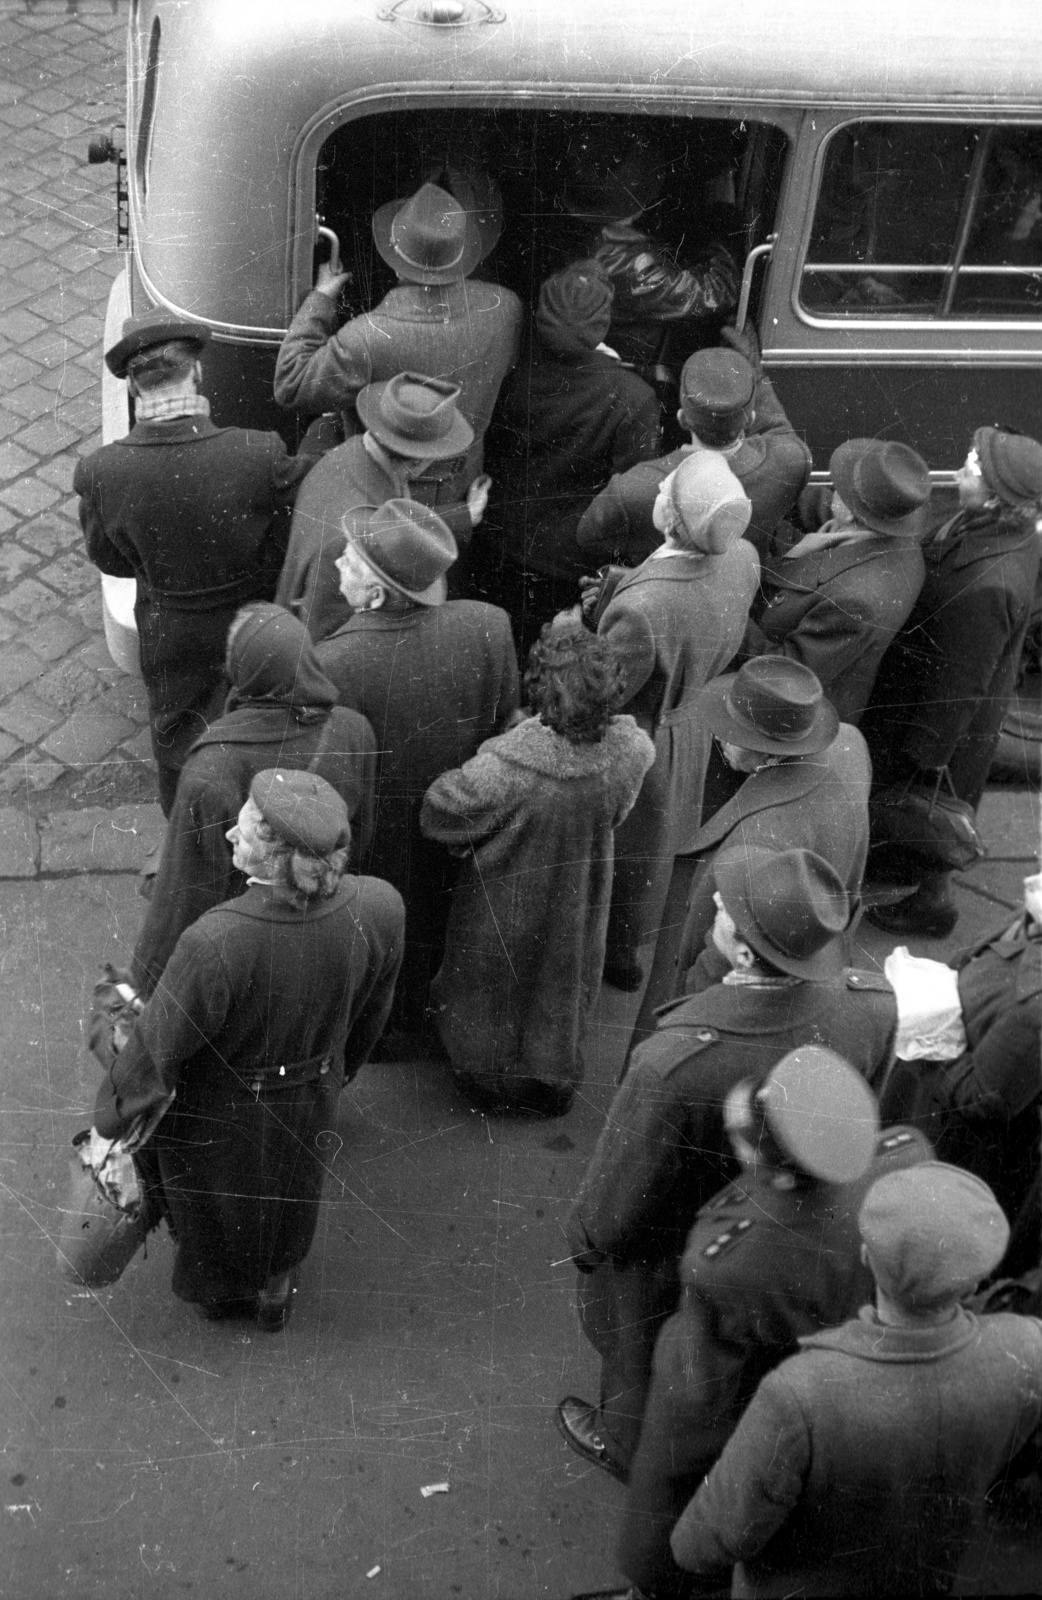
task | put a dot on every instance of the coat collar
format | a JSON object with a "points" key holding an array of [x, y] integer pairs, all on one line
{"points": [[538, 748], [770, 787], [742, 1010], [982, 544], [176, 430], [821, 566], [868, 1339]]}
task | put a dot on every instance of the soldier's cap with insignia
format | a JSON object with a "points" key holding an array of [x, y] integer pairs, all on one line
{"points": [[819, 1113], [932, 1232], [789, 906]]}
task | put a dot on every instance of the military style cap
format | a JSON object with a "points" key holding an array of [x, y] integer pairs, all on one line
{"points": [[820, 1113], [1011, 464], [302, 809], [790, 906], [717, 384], [932, 1232]]}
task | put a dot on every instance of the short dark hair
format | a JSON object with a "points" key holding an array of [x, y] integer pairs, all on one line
{"points": [[573, 681], [162, 364]]}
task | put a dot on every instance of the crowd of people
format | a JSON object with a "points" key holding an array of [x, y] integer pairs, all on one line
{"points": [[486, 697]]}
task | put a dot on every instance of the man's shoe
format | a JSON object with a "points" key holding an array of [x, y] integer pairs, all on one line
{"points": [[275, 1301], [930, 913], [580, 1424], [625, 975]]}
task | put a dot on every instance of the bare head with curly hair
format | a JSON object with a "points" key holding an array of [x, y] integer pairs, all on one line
{"points": [[573, 681]]}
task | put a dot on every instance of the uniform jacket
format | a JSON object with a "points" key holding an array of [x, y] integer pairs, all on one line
{"points": [[836, 610], [862, 1463], [195, 869], [533, 815], [345, 477], [199, 515], [772, 464], [467, 333], [947, 678], [564, 426]]}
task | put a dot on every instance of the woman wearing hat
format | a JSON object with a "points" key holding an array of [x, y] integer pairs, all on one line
{"points": [[438, 321], [947, 679], [267, 1002], [674, 622], [435, 678], [281, 707], [834, 599]]}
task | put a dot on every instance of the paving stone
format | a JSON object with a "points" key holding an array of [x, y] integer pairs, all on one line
{"points": [[69, 381], [14, 461], [39, 272], [19, 326], [140, 747], [29, 600], [69, 686], [58, 304], [29, 496], [13, 254], [55, 636], [8, 746], [14, 560], [49, 435], [89, 610], [8, 521], [50, 533], [11, 292], [19, 844], [98, 840], [8, 628], [15, 370], [32, 400], [71, 574], [27, 718], [127, 697], [18, 666], [86, 737]]}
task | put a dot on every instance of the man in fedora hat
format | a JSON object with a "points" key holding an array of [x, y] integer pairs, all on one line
{"points": [[199, 515], [438, 321], [728, 406], [435, 678], [862, 1463], [773, 1257], [413, 443], [664, 1152], [835, 598], [806, 783]]}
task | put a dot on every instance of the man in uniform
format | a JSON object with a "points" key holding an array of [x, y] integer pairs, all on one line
{"points": [[664, 1151], [774, 1257]]}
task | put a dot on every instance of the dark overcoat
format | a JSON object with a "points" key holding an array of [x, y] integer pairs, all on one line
{"points": [[674, 622], [764, 1266], [534, 816], [862, 1463], [199, 515], [945, 682], [261, 1012], [664, 1152]]}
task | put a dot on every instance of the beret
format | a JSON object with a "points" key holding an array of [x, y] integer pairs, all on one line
{"points": [[302, 809], [932, 1232]]}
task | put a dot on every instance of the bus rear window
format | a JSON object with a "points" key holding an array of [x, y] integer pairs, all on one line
{"points": [[927, 220]]}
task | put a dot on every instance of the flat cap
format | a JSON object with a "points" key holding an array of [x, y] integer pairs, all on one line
{"points": [[932, 1233], [302, 809]]}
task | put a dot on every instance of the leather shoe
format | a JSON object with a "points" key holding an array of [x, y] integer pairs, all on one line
{"points": [[625, 975], [579, 1423], [930, 912]]}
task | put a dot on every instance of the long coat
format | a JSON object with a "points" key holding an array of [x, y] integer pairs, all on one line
{"points": [[771, 463], [663, 1153], [861, 1464], [836, 610], [945, 682], [817, 802], [434, 682], [199, 515], [195, 868], [535, 815], [675, 622], [261, 1012], [764, 1266]]}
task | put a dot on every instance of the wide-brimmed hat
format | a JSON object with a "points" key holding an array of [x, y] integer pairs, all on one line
{"points": [[716, 387], [885, 484], [301, 809], [712, 509], [820, 1115], [790, 906], [427, 239], [415, 416], [480, 197], [406, 544], [932, 1232], [771, 705], [149, 329], [1011, 464]]}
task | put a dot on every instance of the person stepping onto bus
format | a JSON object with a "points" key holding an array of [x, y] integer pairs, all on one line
{"points": [[199, 515], [835, 598], [728, 406], [413, 442], [438, 321], [946, 681]]}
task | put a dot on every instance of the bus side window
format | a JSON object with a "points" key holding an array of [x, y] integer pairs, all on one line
{"points": [[1001, 273]]}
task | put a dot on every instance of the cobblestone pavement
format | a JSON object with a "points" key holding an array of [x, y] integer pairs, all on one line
{"points": [[73, 728]]}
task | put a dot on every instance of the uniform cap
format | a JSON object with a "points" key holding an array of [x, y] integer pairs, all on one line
{"points": [[1011, 464], [932, 1232], [301, 809], [790, 906], [712, 508], [820, 1113], [716, 385]]}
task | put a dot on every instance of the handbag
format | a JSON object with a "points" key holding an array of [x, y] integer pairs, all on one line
{"points": [[98, 1239], [930, 821]]}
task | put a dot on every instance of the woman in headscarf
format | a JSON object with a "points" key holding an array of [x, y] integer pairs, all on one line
{"points": [[675, 622], [281, 708]]}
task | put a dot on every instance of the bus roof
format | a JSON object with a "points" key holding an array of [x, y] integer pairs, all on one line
{"points": [[235, 87]]}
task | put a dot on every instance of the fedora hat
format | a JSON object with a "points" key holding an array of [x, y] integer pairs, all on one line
{"points": [[885, 484], [406, 544], [149, 329], [1011, 464], [770, 705], [480, 196], [415, 416], [790, 906], [427, 238]]}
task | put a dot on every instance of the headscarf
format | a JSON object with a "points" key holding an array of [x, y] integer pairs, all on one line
{"points": [[272, 661], [712, 509]]}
